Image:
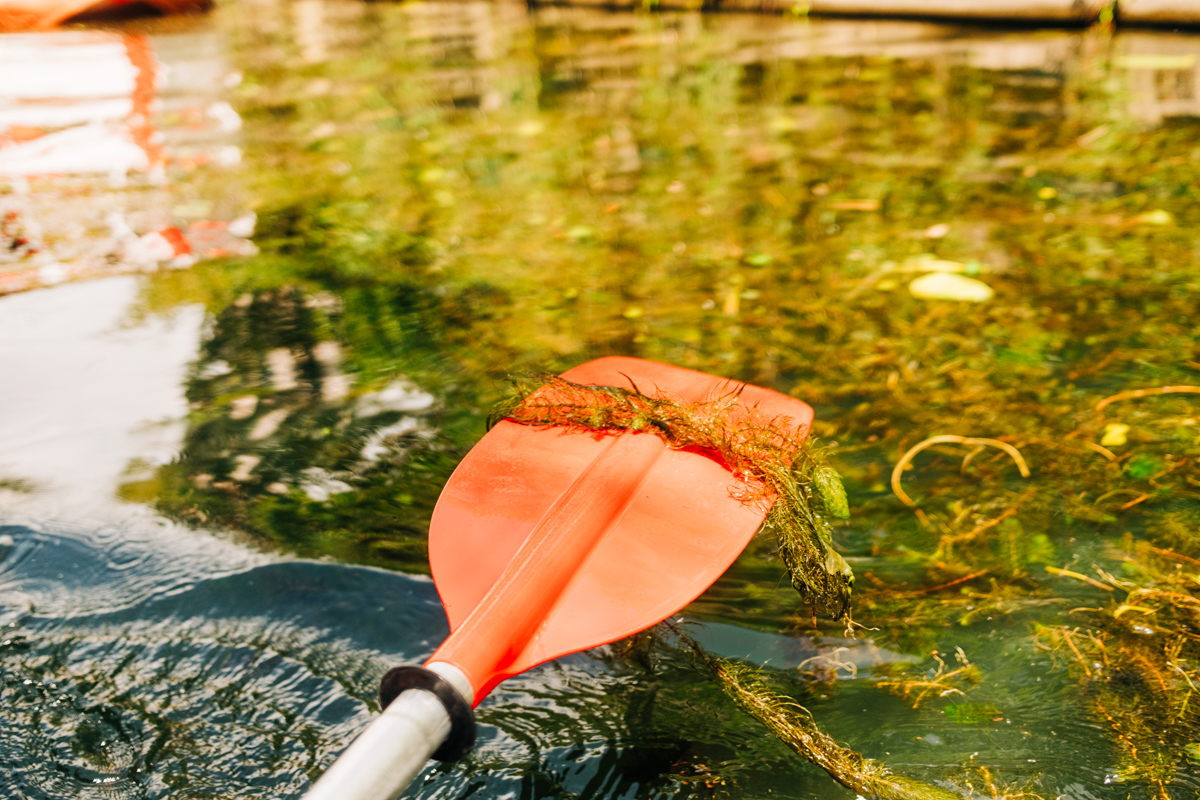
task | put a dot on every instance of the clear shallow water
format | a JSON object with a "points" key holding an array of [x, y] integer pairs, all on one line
{"points": [[447, 192], [139, 670], [133, 673], [135, 666]]}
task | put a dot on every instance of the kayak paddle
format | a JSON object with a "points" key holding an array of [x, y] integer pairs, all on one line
{"points": [[550, 540]]}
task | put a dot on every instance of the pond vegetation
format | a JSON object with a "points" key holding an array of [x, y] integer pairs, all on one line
{"points": [[450, 194]]}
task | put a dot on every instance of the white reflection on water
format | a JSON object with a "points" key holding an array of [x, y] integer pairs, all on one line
{"points": [[84, 393]]}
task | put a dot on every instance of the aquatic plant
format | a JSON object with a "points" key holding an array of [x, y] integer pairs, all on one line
{"points": [[751, 691], [777, 464], [940, 684], [1137, 660], [793, 725]]}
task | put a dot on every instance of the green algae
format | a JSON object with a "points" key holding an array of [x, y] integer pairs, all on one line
{"points": [[775, 463], [790, 723]]}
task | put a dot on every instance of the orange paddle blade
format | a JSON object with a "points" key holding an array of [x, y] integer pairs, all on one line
{"points": [[547, 541]]}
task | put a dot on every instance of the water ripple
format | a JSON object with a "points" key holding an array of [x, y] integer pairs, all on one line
{"points": [[138, 676], [183, 666]]}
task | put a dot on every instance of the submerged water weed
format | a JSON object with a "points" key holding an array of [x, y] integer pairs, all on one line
{"points": [[940, 684], [977, 444], [1137, 660], [792, 724], [771, 457]]}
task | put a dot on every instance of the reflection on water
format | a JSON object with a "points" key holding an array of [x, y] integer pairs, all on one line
{"points": [[96, 131], [85, 395], [449, 191]]}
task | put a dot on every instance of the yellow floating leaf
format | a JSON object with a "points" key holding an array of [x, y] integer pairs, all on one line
{"points": [[432, 175], [1156, 217], [530, 127], [784, 124], [1114, 434], [950, 286]]}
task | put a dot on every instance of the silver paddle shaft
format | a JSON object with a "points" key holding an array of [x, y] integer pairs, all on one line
{"points": [[389, 753]]}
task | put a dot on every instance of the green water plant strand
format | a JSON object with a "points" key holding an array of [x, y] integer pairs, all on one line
{"points": [[792, 724], [771, 457]]}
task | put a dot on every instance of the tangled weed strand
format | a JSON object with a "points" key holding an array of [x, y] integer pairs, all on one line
{"points": [[773, 460], [794, 725]]}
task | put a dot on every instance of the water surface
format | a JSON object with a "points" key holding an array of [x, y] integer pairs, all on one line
{"points": [[217, 476]]}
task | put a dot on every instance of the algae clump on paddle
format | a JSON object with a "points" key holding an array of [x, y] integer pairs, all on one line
{"points": [[771, 457]]}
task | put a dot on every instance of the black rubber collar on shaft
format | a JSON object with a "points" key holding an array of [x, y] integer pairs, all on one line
{"points": [[462, 719]]}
